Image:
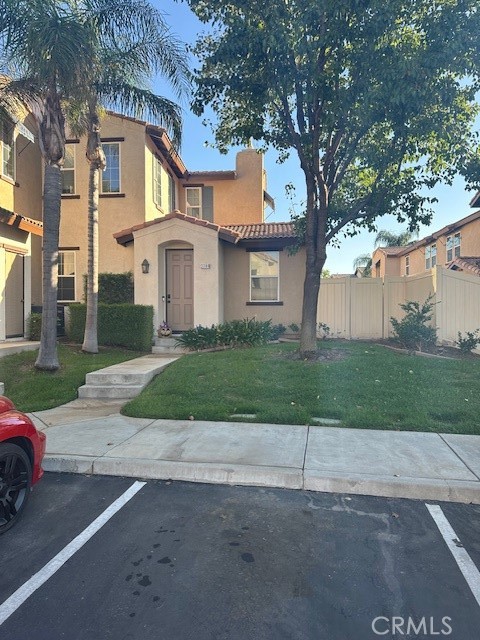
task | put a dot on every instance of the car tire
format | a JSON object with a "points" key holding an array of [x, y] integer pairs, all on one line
{"points": [[15, 484]]}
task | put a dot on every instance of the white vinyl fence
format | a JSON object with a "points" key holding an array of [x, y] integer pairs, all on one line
{"points": [[361, 308]]}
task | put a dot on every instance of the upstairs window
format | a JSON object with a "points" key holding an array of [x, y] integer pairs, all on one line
{"points": [[157, 182], [66, 276], [194, 201], [199, 202], [111, 174], [68, 170], [407, 265], [430, 256], [453, 247], [171, 193], [264, 276], [7, 150]]}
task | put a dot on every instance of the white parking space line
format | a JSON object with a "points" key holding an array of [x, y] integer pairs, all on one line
{"points": [[25, 591], [465, 563]]}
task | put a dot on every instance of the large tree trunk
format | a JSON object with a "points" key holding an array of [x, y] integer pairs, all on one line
{"points": [[52, 194], [315, 247], [96, 158], [311, 291]]}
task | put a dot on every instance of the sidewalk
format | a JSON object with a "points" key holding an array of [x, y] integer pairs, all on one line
{"points": [[91, 436]]}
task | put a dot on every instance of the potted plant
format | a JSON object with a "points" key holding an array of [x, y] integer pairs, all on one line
{"points": [[164, 330]]}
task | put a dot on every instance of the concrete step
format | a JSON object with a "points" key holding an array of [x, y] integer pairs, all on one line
{"points": [[124, 380], [167, 346], [109, 391], [105, 377]]}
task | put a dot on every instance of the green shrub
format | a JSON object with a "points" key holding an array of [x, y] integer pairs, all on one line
{"points": [[276, 331], [324, 330], [34, 326], [469, 342], [294, 328], [113, 288], [228, 334], [122, 325], [413, 332]]}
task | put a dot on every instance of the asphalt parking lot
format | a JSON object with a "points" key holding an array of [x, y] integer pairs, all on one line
{"points": [[182, 561]]}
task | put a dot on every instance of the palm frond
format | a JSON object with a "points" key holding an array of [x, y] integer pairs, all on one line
{"points": [[144, 104]]}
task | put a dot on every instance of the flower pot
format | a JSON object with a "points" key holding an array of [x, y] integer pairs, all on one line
{"points": [[164, 333]]}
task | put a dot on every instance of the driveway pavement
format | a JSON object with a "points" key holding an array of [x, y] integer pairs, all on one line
{"points": [[182, 561]]}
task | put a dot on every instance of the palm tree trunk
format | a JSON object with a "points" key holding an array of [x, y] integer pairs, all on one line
{"points": [[52, 193], [96, 158], [90, 339]]}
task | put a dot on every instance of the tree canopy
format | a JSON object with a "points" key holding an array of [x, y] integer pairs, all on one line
{"points": [[377, 99]]}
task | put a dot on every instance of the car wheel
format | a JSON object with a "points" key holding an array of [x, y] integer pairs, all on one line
{"points": [[15, 483]]}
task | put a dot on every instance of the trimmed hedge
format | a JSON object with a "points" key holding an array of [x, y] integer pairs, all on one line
{"points": [[120, 325], [113, 288]]}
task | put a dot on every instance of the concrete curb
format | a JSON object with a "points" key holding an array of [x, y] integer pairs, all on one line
{"points": [[281, 477], [207, 472], [388, 487]]}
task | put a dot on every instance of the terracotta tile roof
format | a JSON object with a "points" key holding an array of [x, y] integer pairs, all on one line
{"points": [[231, 233], [224, 175], [264, 230], [21, 222], [391, 251], [126, 235], [470, 264]]}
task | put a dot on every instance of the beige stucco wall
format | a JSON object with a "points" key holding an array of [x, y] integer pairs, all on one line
{"points": [[152, 210], [115, 213], [11, 239], [151, 243], [238, 201], [24, 196], [237, 288]]}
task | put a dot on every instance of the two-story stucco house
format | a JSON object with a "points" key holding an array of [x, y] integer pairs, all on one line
{"points": [[197, 242], [20, 228], [455, 246]]}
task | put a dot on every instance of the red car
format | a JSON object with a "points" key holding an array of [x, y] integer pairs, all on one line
{"points": [[22, 448]]}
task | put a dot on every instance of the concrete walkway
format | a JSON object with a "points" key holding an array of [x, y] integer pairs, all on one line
{"points": [[125, 379], [91, 436]]}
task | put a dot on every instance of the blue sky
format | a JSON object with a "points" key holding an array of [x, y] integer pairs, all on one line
{"points": [[453, 202]]}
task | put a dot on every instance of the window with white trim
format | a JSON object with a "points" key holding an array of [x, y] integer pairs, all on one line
{"points": [[7, 150], [171, 193], [66, 276], [453, 247], [68, 170], [264, 276], [111, 173], [430, 256], [194, 201], [157, 181], [407, 265]]}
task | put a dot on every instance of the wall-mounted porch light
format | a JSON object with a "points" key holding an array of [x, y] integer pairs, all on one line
{"points": [[145, 266]]}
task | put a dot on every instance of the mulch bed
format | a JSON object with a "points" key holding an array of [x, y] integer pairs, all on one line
{"points": [[449, 353]]}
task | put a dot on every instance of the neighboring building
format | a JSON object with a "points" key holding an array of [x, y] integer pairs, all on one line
{"points": [[20, 226], [456, 246]]}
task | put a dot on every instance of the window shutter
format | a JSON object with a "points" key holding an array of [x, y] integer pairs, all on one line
{"points": [[207, 203]]}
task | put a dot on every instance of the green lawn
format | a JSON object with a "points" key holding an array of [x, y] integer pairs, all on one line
{"points": [[33, 390], [373, 387]]}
